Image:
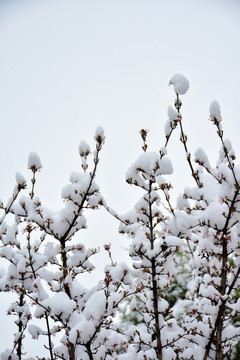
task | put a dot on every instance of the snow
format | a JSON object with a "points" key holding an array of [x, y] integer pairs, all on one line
{"points": [[182, 203], [180, 84], [35, 331], [78, 186], [130, 355], [215, 214], [215, 111], [163, 150], [168, 127], [7, 354], [95, 307], [119, 272], [34, 162], [99, 136], [84, 148], [62, 351], [21, 266], [166, 166], [201, 158], [147, 162], [75, 177], [85, 327], [168, 354], [60, 305], [20, 180], [172, 113], [99, 132], [150, 165]]}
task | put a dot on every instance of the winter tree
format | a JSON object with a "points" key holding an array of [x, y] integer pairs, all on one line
{"points": [[184, 298]]}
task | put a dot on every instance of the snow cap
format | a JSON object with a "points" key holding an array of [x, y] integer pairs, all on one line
{"points": [[34, 162], [180, 84], [21, 182], [99, 134], [84, 149], [215, 111]]}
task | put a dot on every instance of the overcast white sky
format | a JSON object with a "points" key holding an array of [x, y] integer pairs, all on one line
{"points": [[67, 66]]}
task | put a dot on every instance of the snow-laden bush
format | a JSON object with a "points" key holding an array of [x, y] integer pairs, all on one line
{"points": [[187, 259]]}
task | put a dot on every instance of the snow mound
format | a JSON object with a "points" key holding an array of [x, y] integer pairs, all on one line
{"points": [[180, 84]]}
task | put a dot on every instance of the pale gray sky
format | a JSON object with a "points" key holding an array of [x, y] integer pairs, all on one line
{"points": [[67, 66]]}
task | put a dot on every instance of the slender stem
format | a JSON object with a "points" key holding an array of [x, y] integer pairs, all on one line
{"points": [[8, 209], [157, 334], [33, 184], [20, 327], [183, 139], [49, 336]]}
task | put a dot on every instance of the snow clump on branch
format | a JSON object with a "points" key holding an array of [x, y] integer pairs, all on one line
{"points": [[215, 111], [180, 84], [34, 162], [148, 165], [99, 136], [20, 180]]}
